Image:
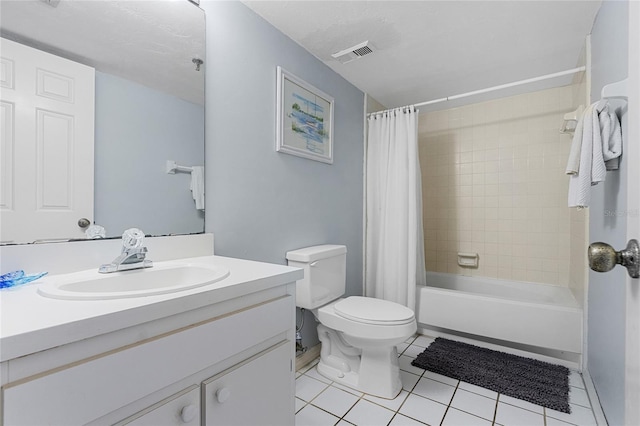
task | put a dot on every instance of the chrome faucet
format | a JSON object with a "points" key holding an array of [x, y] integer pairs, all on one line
{"points": [[133, 254]]}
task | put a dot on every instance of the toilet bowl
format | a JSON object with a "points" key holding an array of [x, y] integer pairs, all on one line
{"points": [[372, 326], [358, 335]]}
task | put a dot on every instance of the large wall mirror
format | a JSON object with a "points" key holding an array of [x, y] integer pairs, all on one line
{"points": [[149, 64]]}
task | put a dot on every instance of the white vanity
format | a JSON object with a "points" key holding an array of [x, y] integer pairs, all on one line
{"points": [[218, 354]]}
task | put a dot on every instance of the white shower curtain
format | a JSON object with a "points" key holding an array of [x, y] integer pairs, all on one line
{"points": [[394, 239]]}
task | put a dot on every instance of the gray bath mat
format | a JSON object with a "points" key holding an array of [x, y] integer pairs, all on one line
{"points": [[528, 379]]}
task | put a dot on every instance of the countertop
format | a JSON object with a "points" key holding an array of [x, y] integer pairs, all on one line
{"points": [[31, 323]]}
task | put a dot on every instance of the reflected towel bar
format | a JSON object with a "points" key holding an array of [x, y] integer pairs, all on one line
{"points": [[172, 168]]}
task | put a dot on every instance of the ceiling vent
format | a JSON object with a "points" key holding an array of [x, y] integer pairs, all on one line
{"points": [[354, 52]]}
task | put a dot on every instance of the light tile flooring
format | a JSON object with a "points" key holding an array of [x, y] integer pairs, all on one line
{"points": [[427, 398]]}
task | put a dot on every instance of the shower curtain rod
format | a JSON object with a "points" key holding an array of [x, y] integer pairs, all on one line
{"points": [[494, 88]]}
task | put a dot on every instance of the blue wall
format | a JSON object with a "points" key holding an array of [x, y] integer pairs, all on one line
{"points": [[137, 129], [606, 298], [261, 203]]}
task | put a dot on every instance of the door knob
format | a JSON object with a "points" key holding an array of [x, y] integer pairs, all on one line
{"points": [[83, 222], [603, 257]]}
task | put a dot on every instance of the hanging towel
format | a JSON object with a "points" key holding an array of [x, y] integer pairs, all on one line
{"points": [[573, 165], [597, 140], [197, 186], [611, 138]]}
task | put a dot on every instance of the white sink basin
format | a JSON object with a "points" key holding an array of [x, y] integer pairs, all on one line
{"points": [[160, 279]]}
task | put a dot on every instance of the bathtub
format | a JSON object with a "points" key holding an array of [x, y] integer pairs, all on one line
{"points": [[538, 315]]}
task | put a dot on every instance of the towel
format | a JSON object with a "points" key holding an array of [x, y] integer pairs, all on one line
{"points": [[573, 164], [197, 186], [596, 146], [611, 138]]}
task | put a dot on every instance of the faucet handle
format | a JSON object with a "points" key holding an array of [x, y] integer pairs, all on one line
{"points": [[132, 238]]}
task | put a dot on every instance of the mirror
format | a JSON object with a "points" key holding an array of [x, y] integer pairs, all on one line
{"points": [[149, 101]]}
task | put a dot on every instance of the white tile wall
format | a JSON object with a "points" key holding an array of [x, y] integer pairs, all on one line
{"points": [[494, 183], [579, 220]]}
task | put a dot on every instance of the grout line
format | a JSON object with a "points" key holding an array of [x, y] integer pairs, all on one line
{"points": [[450, 401], [322, 409], [351, 408], [321, 392], [495, 410], [328, 412]]}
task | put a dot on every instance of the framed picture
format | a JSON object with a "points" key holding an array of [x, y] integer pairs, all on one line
{"points": [[305, 119]]}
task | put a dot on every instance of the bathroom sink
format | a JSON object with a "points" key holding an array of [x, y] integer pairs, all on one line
{"points": [[160, 279]]}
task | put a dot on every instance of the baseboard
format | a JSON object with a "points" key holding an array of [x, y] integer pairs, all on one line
{"points": [[311, 354], [601, 420]]}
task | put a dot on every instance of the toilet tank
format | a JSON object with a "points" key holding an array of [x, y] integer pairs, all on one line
{"points": [[325, 269]]}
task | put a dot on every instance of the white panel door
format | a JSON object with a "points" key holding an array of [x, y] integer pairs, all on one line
{"points": [[46, 164], [632, 374]]}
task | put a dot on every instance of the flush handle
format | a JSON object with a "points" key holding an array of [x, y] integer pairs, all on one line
{"points": [[603, 257]]}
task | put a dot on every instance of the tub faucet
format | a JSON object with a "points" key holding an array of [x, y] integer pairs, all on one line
{"points": [[133, 254]]}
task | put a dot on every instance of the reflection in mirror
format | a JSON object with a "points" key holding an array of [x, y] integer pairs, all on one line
{"points": [[148, 82]]}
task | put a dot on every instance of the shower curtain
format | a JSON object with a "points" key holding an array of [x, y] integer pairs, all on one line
{"points": [[394, 254]]}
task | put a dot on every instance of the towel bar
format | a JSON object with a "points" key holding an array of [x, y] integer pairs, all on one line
{"points": [[172, 168]]}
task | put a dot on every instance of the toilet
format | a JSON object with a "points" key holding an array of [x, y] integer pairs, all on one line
{"points": [[358, 334]]}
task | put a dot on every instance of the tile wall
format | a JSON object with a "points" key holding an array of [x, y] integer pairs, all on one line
{"points": [[579, 219], [494, 184]]}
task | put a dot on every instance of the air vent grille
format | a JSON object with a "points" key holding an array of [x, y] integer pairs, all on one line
{"points": [[354, 52], [363, 51]]}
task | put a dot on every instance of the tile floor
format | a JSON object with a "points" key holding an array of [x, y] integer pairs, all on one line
{"points": [[427, 398]]}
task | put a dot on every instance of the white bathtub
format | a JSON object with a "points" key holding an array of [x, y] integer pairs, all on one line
{"points": [[539, 315]]}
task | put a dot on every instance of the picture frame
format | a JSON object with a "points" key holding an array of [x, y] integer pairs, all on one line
{"points": [[304, 119]]}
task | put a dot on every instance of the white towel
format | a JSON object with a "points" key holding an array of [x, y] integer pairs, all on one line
{"points": [[600, 141], [573, 165], [197, 186], [611, 138]]}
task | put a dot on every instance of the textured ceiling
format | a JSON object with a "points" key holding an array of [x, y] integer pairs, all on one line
{"points": [[432, 49], [151, 42]]}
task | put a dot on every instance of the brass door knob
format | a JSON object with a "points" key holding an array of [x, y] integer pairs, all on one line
{"points": [[603, 257]]}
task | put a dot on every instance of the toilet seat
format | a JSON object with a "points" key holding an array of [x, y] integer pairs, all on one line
{"points": [[378, 328], [368, 310]]}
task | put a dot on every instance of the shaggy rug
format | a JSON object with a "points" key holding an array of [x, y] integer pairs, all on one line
{"points": [[528, 379]]}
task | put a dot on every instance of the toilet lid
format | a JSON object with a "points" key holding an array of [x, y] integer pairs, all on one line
{"points": [[373, 311]]}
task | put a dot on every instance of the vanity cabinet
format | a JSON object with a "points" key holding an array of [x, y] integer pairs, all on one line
{"points": [[234, 368]]}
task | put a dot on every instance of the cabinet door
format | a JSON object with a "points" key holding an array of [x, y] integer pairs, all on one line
{"points": [[182, 408], [258, 391]]}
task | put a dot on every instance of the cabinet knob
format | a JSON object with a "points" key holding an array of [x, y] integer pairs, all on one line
{"points": [[188, 413], [223, 394]]}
